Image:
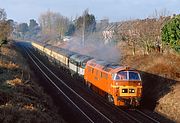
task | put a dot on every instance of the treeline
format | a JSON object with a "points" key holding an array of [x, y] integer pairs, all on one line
{"points": [[148, 35], [26, 31], [53, 26]]}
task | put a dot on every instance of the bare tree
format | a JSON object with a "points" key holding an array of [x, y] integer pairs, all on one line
{"points": [[2, 15], [53, 24], [5, 26], [144, 34]]}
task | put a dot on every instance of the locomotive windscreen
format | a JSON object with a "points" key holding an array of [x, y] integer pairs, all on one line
{"points": [[126, 75]]}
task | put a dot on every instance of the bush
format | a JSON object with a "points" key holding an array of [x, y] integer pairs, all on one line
{"points": [[171, 33]]}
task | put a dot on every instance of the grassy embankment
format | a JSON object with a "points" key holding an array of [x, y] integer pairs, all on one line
{"points": [[22, 100], [161, 81]]}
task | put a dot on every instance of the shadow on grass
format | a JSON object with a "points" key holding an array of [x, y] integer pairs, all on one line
{"points": [[4, 58], [154, 87]]}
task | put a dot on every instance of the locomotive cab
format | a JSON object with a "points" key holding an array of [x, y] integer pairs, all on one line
{"points": [[127, 87]]}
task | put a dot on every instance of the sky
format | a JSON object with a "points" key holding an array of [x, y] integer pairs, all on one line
{"points": [[114, 10]]}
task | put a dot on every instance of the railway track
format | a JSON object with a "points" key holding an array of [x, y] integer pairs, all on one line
{"points": [[98, 113], [145, 115], [136, 115]]}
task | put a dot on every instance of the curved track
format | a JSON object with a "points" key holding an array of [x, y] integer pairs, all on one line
{"points": [[96, 112], [92, 108]]}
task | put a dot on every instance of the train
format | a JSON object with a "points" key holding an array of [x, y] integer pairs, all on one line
{"points": [[120, 85]]}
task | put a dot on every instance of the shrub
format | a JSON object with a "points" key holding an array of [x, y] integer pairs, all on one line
{"points": [[171, 33]]}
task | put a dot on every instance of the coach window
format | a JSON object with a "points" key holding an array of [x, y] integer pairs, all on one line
{"points": [[83, 65], [70, 60]]}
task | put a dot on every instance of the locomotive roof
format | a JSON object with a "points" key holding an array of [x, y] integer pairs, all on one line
{"points": [[104, 65]]}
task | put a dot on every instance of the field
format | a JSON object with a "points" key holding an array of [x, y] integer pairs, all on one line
{"points": [[22, 100]]}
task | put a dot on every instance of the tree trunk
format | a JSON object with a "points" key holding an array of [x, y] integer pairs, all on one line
{"points": [[134, 49]]}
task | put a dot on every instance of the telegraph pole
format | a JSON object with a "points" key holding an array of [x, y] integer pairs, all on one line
{"points": [[83, 31], [84, 26]]}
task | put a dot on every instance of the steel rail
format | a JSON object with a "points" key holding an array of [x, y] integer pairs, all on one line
{"points": [[71, 90], [60, 89], [147, 116]]}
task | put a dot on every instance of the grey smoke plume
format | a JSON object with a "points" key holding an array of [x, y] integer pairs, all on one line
{"points": [[94, 46]]}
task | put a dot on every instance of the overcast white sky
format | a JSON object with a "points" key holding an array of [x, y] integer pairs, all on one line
{"points": [[115, 10]]}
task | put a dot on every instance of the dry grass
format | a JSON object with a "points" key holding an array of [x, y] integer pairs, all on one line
{"points": [[169, 105], [21, 99], [14, 82], [29, 107], [161, 78], [165, 65], [8, 65]]}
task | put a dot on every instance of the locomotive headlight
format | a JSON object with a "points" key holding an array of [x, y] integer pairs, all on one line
{"points": [[124, 90], [131, 91]]}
